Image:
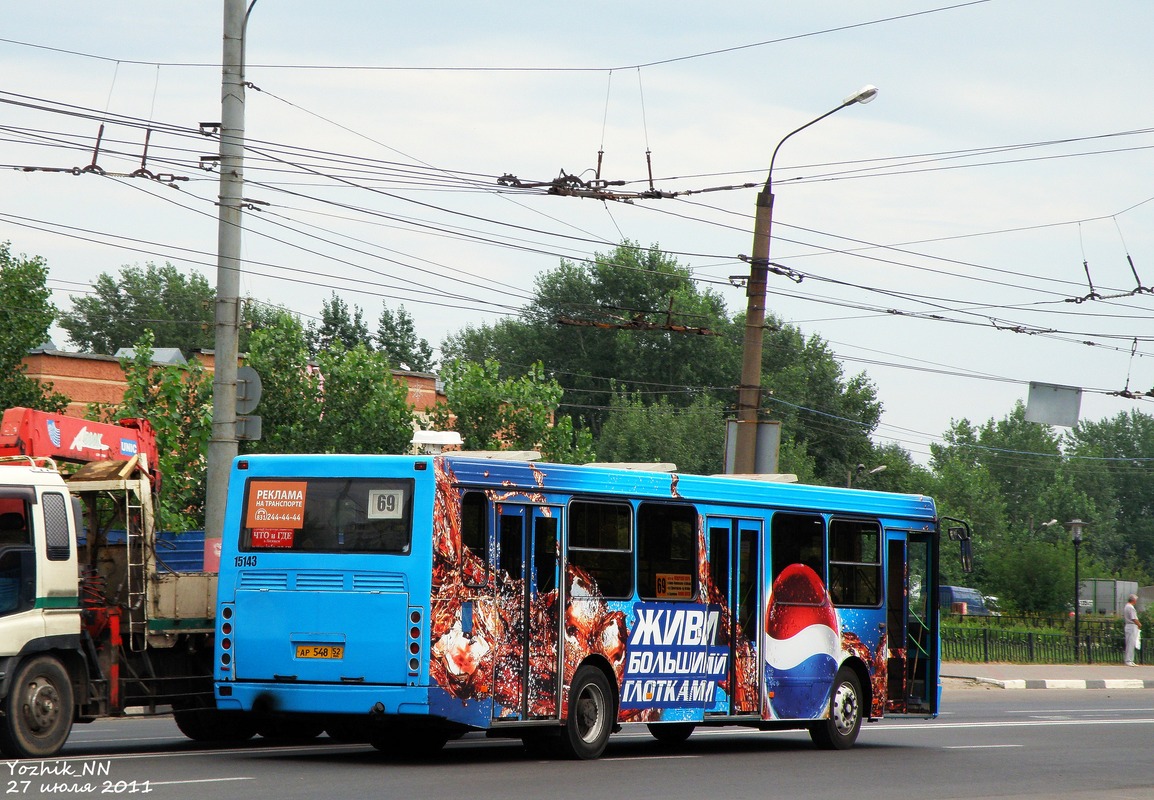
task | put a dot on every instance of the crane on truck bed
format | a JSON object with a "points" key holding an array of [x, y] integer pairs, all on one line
{"points": [[89, 626]]}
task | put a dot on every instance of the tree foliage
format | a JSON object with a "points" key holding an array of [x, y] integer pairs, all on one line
{"points": [[339, 325], [397, 339], [693, 437], [634, 321], [176, 400], [1018, 483], [177, 308], [26, 313], [347, 401], [495, 413]]}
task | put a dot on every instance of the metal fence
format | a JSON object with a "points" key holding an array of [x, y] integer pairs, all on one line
{"points": [[1101, 646], [1089, 622]]}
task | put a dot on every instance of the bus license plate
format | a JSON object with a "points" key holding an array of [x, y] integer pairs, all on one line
{"points": [[335, 651]]}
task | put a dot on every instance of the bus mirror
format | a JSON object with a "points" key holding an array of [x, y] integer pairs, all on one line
{"points": [[961, 533], [967, 556]]}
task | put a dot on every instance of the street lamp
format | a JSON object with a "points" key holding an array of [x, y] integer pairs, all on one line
{"points": [[1075, 527], [749, 393], [850, 475]]}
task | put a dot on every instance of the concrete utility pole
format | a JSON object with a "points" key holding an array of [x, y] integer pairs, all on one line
{"points": [[749, 392], [222, 447]]}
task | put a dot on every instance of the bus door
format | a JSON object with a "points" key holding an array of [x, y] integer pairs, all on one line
{"points": [[526, 681], [912, 623], [734, 547]]}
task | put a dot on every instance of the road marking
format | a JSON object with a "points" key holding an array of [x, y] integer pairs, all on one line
{"points": [[979, 746], [1083, 711], [199, 780], [929, 726]]}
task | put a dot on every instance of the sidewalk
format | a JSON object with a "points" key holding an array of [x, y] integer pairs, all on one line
{"points": [[1053, 676]]}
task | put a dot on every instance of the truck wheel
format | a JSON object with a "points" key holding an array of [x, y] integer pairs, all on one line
{"points": [[590, 719], [38, 710], [839, 730]]}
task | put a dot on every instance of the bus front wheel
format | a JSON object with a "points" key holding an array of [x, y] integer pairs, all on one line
{"points": [[840, 729], [590, 719], [37, 710]]}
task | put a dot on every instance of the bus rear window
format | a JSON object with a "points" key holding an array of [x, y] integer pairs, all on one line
{"points": [[328, 515]]}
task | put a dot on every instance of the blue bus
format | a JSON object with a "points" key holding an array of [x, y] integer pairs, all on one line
{"points": [[407, 600]]}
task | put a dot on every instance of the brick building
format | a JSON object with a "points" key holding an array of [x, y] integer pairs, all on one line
{"points": [[87, 378]]}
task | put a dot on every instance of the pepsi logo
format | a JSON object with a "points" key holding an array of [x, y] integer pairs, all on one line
{"points": [[802, 644]]}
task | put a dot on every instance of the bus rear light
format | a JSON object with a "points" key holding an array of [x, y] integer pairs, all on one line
{"points": [[226, 643], [226, 612], [415, 616], [414, 647], [414, 633], [226, 629], [225, 659], [414, 665]]}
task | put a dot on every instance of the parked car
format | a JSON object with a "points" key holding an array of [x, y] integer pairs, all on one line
{"points": [[963, 600]]}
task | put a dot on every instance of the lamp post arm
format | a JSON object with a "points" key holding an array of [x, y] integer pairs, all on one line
{"points": [[749, 391], [769, 178]]}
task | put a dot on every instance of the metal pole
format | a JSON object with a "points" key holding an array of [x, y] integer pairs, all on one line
{"points": [[749, 392], [222, 447], [1077, 600]]}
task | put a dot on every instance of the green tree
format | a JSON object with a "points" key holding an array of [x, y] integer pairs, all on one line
{"points": [[364, 408], [397, 339], [625, 316], [634, 320], [341, 325], [26, 313], [290, 385], [177, 308], [1113, 457], [963, 488], [345, 402], [662, 432], [176, 400], [494, 413]]}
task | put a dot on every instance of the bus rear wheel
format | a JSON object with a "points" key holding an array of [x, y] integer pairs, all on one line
{"points": [[840, 729], [672, 732], [284, 731], [409, 744], [37, 710], [590, 719], [212, 725]]}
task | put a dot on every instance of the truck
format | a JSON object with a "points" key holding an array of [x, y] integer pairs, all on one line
{"points": [[92, 623]]}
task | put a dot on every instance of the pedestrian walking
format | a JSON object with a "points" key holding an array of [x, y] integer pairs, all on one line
{"points": [[1131, 628]]}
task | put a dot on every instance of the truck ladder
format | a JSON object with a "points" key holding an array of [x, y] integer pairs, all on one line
{"points": [[138, 539]]}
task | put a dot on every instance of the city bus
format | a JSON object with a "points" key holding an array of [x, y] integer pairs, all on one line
{"points": [[406, 600]]}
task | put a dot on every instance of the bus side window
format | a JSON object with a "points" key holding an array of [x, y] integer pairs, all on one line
{"points": [[474, 538], [855, 569], [798, 539], [666, 551], [600, 542]]}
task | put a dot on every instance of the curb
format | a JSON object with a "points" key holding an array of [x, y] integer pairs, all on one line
{"points": [[1062, 683]]}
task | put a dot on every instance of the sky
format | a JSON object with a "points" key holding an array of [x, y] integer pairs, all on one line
{"points": [[986, 222]]}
